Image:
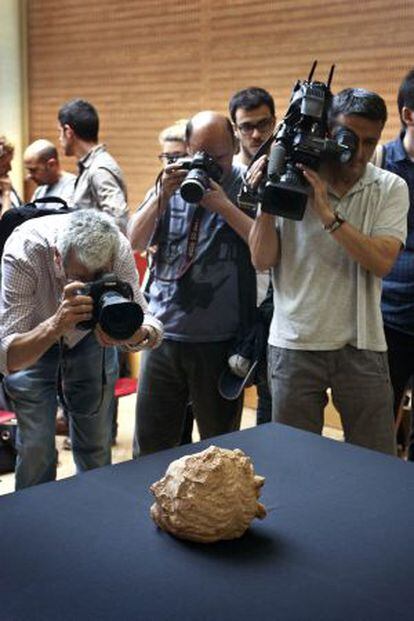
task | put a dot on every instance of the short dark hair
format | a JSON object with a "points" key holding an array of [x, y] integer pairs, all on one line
{"points": [[406, 94], [82, 117], [250, 98], [358, 102]]}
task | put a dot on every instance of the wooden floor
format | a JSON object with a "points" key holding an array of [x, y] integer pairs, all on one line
{"points": [[123, 449]]}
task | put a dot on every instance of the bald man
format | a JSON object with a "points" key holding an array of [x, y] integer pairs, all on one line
{"points": [[195, 291], [41, 162]]}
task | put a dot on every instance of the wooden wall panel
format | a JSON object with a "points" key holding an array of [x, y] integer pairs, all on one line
{"points": [[146, 63]]}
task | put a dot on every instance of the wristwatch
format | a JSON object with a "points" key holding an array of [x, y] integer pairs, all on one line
{"points": [[334, 226]]}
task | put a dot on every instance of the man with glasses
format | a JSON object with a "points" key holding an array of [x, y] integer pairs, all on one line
{"points": [[172, 141], [327, 269], [173, 147], [252, 111]]}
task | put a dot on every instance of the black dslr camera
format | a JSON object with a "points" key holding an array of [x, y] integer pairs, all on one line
{"points": [[301, 138], [201, 168], [113, 307]]}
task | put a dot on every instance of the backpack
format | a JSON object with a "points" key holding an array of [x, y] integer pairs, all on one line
{"points": [[17, 215]]}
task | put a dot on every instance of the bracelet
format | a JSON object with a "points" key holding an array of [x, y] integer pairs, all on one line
{"points": [[334, 226]]}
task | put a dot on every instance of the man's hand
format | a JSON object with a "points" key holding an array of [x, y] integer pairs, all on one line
{"points": [[215, 199], [255, 173], [145, 336], [73, 309], [171, 179], [320, 202]]}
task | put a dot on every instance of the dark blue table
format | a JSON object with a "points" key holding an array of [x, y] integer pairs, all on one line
{"points": [[337, 544]]}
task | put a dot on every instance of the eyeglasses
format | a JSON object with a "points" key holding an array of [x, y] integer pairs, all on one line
{"points": [[262, 126], [170, 158]]}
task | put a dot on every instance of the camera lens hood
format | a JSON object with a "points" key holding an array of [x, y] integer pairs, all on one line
{"points": [[119, 318], [192, 190]]}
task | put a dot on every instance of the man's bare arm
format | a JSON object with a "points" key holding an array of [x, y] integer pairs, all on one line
{"points": [[142, 224], [376, 254], [27, 348], [264, 242]]}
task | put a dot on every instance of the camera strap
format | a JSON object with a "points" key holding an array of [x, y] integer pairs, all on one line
{"points": [[192, 241]]}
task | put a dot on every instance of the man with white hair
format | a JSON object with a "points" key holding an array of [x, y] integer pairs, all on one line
{"points": [[41, 161], [46, 263]]}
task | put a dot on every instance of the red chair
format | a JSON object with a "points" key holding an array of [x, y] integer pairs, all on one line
{"points": [[6, 416], [141, 263], [128, 385], [125, 386]]}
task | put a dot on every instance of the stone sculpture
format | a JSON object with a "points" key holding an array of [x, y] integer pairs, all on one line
{"points": [[208, 496]]}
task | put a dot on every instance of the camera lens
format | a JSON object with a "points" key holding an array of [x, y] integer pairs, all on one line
{"points": [[194, 185], [118, 317]]}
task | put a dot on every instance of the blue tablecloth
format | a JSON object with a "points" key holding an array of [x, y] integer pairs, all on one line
{"points": [[337, 543]]}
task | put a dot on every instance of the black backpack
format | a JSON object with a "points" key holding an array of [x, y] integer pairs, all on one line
{"points": [[17, 215]]}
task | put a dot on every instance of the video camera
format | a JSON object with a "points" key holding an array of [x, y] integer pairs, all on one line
{"points": [[302, 138], [113, 307], [201, 168]]}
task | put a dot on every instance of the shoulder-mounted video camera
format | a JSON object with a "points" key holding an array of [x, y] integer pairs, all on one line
{"points": [[302, 138], [113, 307], [201, 168]]}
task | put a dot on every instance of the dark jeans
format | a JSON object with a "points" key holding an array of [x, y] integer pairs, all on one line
{"points": [[264, 403], [172, 376], [401, 363]]}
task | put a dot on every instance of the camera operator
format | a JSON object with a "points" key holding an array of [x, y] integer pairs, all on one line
{"points": [[46, 264], [327, 328], [194, 291]]}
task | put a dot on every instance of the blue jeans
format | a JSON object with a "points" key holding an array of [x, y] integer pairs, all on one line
{"points": [[88, 375]]}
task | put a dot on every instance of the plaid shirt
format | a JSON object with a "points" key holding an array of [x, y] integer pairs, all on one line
{"points": [[32, 285]]}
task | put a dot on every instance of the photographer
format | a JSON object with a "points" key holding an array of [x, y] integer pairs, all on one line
{"points": [[46, 264], [327, 328], [194, 291]]}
